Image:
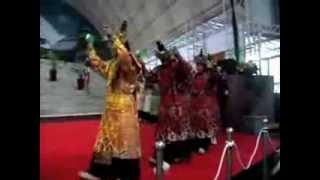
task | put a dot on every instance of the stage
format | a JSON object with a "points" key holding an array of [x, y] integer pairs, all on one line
{"points": [[66, 147]]}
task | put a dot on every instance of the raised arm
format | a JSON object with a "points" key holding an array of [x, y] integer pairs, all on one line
{"points": [[184, 75], [183, 70], [152, 76], [213, 78], [96, 63]]}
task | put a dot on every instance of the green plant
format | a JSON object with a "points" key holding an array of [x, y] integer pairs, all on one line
{"points": [[248, 68], [43, 52], [55, 59]]}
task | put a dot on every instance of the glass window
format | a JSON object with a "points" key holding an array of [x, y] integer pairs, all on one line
{"points": [[275, 69], [277, 88], [270, 64], [264, 67], [270, 48]]}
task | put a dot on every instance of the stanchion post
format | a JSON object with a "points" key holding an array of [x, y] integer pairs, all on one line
{"points": [[229, 153], [159, 149], [265, 149]]}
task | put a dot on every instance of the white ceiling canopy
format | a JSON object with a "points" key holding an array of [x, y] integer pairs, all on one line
{"points": [[148, 20]]}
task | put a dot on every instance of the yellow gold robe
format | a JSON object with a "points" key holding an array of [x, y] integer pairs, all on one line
{"points": [[118, 135]]}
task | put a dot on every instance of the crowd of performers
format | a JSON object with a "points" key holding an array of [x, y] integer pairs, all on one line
{"points": [[189, 115]]}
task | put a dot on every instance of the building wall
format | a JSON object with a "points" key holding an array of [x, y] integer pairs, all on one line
{"points": [[59, 20]]}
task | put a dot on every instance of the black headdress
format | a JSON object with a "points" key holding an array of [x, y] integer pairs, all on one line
{"points": [[201, 59], [161, 52]]}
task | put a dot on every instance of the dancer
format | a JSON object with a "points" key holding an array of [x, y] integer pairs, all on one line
{"points": [[117, 149], [173, 77], [223, 95], [204, 104]]}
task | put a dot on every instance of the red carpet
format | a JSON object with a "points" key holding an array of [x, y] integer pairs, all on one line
{"points": [[65, 149]]}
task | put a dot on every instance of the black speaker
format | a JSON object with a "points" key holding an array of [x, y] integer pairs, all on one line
{"points": [[250, 101]]}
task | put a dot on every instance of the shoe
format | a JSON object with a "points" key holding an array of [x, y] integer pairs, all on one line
{"points": [[165, 166], [88, 176], [214, 141], [201, 151]]}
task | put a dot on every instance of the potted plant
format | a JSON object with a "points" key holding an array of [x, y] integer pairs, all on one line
{"points": [[80, 80], [247, 69], [81, 63]]}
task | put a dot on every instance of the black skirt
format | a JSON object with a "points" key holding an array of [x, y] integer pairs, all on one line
{"points": [[125, 169], [200, 143], [176, 150]]}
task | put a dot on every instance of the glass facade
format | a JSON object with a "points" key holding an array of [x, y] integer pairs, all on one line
{"points": [[268, 60]]}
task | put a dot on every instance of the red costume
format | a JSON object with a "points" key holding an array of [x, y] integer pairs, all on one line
{"points": [[174, 101], [205, 109], [173, 77]]}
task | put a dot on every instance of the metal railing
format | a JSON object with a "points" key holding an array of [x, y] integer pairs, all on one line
{"points": [[230, 147]]}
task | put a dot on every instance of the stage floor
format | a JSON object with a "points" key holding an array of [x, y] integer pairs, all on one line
{"points": [[66, 148]]}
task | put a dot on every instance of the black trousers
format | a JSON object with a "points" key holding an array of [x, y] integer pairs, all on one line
{"points": [[125, 169], [176, 150], [197, 143]]}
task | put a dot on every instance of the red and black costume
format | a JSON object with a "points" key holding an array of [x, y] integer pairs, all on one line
{"points": [[205, 115], [173, 77]]}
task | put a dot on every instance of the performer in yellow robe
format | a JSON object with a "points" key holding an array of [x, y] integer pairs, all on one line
{"points": [[117, 149]]}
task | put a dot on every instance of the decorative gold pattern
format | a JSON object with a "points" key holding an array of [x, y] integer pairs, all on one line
{"points": [[118, 135]]}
